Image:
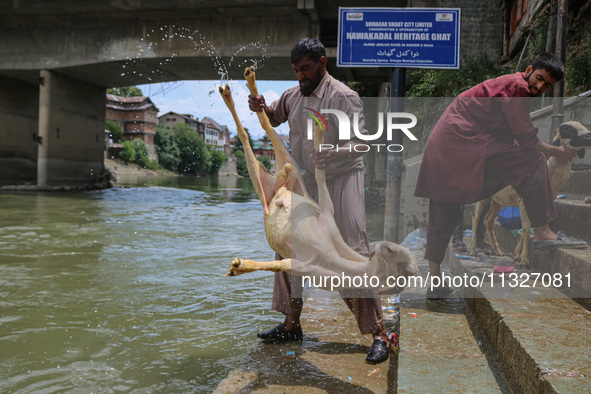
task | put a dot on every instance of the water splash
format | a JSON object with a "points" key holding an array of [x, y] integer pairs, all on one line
{"points": [[168, 34]]}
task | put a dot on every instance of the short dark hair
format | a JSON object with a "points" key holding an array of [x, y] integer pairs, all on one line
{"points": [[551, 63], [308, 47]]}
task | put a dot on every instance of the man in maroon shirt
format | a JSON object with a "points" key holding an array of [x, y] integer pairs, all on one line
{"points": [[484, 141]]}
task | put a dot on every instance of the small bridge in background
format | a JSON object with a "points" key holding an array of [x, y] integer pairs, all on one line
{"points": [[57, 58]]}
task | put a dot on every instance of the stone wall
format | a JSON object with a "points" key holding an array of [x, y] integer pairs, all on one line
{"points": [[481, 27]]}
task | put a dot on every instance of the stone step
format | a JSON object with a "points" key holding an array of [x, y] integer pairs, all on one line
{"points": [[539, 336], [574, 218], [578, 184], [441, 347], [572, 263]]}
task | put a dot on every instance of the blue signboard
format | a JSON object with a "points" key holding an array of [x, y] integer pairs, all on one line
{"points": [[399, 37]]}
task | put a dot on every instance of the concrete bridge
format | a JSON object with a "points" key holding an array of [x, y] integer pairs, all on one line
{"points": [[57, 58]]}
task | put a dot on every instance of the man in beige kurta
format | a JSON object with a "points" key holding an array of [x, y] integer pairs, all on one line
{"points": [[344, 173]]}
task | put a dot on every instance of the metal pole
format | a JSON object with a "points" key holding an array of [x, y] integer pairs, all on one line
{"points": [[394, 163], [558, 103]]}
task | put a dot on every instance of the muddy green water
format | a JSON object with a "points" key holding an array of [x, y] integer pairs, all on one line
{"points": [[123, 290]]}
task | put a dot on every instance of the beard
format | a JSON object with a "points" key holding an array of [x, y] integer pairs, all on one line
{"points": [[307, 90], [312, 84], [530, 86]]}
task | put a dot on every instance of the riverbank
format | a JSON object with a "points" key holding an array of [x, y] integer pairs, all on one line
{"points": [[119, 168]]}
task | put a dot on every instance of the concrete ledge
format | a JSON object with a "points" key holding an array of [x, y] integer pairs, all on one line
{"points": [[537, 334], [574, 219], [573, 262], [577, 183]]}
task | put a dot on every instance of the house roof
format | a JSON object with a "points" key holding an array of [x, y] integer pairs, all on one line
{"points": [[216, 125], [258, 144], [129, 103], [187, 117]]}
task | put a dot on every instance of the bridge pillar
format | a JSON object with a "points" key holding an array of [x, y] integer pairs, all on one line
{"points": [[71, 132], [19, 104]]}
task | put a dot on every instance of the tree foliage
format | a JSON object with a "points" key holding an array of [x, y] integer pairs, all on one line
{"points": [[141, 153], [127, 154], [194, 155], [218, 158], [184, 151], [450, 83], [136, 152], [238, 143], [126, 91], [578, 67], [169, 155], [115, 129], [241, 167], [266, 161]]}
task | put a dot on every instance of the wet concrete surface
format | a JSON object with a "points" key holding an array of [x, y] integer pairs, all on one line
{"points": [[440, 350], [443, 350], [331, 357], [499, 339], [487, 339]]}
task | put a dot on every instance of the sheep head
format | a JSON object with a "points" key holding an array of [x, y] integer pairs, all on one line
{"points": [[575, 135]]}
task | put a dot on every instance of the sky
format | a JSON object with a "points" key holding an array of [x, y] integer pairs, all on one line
{"points": [[201, 98]]}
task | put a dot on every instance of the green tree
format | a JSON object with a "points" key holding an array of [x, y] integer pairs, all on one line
{"points": [[169, 155], [194, 156], [126, 91], [450, 83], [218, 158], [238, 144], [241, 167], [266, 161], [578, 66], [140, 153], [127, 154], [115, 129]]}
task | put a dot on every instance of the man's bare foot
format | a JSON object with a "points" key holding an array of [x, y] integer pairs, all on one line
{"points": [[543, 233]]}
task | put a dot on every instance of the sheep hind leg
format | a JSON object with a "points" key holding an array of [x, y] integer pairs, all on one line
{"points": [[521, 250], [489, 221]]}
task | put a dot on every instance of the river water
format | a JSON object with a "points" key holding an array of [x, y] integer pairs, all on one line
{"points": [[123, 290]]}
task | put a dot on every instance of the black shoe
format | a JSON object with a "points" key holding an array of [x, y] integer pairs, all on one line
{"points": [[459, 246], [438, 292], [378, 352], [280, 334]]}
